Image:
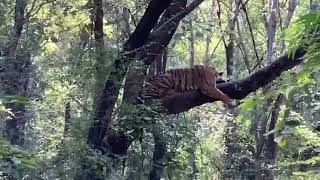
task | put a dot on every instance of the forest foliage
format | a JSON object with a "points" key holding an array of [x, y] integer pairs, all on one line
{"points": [[56, 63]]}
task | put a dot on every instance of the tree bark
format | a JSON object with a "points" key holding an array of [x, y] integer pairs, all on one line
{"points": [[230, 128], [292, 6], [261, 124], [15, 77], [191, 40], [272, 25], [271, 149], [158, 155], [67, 119], [96, 132], [244, 49]]}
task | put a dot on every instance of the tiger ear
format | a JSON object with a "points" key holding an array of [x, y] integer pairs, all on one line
{"points": [[220, 73]]}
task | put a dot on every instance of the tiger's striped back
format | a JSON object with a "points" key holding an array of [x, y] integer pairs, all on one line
{"points": [[188, 79], [176, 80]]}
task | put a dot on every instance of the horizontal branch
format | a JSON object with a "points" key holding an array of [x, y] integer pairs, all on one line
{"points": [[238, 89]]}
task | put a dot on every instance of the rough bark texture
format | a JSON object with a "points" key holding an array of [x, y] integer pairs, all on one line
{"points": [[239, 89], [14, 77]]}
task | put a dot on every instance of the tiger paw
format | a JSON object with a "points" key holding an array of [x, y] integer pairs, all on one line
{"points": [[231, 107]]}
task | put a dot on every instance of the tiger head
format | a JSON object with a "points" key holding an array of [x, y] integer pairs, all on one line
{"points": [[219, 78]]}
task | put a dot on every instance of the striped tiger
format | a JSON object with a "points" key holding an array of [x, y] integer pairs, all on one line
{"points": [[199, 77]]}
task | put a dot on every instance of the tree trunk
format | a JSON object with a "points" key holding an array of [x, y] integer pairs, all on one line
{"points": [[191, 40], [230, 128], [272, 26], [67, 119], [244, 49], [158, 41], [96, 133], [261, 124], [292, 6], [206, 59], [158, 155], [15, 77], [271, 149]]}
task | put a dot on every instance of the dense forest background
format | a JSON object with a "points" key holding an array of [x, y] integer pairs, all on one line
{"points": [[70, 72]]}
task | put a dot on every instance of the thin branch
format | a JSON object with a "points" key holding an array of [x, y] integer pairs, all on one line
{"points": [[229, 23], [40, 6], [31, 9], [252, 36], [182, 13]]}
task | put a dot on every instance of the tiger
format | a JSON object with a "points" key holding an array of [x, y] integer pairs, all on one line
{"points": [[199, 77]]}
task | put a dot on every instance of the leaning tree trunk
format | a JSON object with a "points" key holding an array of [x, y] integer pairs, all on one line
{"points": [[106, 101], [157, 43]]}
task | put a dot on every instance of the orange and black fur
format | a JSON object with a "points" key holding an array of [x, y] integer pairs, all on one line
{"points": [[199, 77]]}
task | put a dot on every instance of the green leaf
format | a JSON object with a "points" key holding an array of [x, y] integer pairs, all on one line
{"points": [[280, 141], [292, 123], [29, 163], [19, 99]]}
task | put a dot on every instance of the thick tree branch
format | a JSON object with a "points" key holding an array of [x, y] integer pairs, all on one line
{"points": [[147, 22], [239, 89], [157, 42]]}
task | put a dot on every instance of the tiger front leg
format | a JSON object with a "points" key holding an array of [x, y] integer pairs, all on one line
{"points": [[217, 94]]}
